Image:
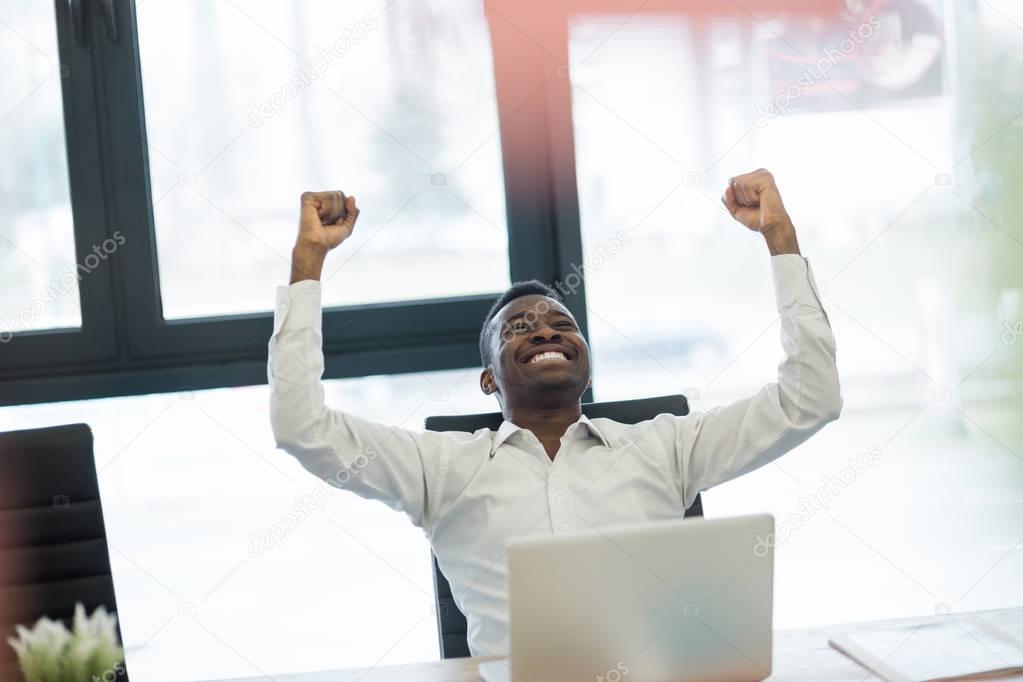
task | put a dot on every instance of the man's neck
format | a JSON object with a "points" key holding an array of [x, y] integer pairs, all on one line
{"points": [[547, 422]]}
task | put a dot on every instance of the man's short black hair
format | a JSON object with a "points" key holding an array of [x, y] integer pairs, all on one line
{"points": [[516, 290]]}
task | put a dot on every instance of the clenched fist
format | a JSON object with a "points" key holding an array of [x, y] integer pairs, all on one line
{"points": [[326, 219], [753, 200]]}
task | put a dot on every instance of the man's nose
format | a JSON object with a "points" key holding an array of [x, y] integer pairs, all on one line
{"points": [[545, 335]]}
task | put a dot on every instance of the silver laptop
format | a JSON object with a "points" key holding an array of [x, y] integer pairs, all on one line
{"points": [[675, 601]]}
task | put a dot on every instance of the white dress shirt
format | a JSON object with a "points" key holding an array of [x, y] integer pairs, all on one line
{"points": [[475, 494]]}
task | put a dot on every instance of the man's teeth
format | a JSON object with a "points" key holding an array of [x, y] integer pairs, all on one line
{"points": [[548, 355]]}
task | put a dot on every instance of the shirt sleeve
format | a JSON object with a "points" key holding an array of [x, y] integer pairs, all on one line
{"points": [[396, 466], [715, 446]]}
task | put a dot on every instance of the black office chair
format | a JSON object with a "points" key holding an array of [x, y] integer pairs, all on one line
{"points": [[53, 547], [451, 624]]}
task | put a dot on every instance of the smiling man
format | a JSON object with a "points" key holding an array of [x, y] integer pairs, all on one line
{"points": [[548, 468]]}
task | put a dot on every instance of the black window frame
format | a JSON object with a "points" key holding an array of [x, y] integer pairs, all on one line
{"points": [[125, 347], [94, 342]]}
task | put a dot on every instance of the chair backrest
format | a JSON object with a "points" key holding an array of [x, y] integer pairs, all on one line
{"points": [[451, 624], [53, 547]]}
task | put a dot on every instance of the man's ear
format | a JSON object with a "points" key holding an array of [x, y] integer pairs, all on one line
{"points": [[487, 384]]}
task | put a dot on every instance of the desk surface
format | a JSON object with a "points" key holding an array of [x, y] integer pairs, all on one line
{"points": [[799, 656]]}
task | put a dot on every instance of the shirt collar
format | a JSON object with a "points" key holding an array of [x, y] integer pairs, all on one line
{"points": [[507, 428]]}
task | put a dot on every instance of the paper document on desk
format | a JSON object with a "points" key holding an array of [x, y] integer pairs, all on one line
{"points": [[495, 671], [941, 648]]}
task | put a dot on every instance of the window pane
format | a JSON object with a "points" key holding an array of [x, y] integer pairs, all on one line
{"points": [[915, 241], [202, 592], [38, 275], [249, 105]]}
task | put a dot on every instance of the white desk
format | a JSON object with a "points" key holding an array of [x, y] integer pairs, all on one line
{"points": [[799, 656]]}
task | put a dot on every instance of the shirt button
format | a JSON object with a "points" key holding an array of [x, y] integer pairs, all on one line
{"points": [[566, 526]]}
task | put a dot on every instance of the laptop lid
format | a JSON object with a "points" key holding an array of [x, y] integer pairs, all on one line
{"points": [[671, 600]]}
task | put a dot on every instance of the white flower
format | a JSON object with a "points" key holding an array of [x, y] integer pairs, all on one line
{"points": [[100, 626], [48, 652]]}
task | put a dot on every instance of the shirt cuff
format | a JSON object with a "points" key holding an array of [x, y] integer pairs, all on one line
{"points": [[298, 306], [793, 281]]}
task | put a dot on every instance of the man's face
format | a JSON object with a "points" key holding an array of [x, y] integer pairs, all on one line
{"points": [[537, 348]]}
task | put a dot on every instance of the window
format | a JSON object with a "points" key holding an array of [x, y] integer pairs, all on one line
{"points": [[189, 164], [392, 102], [910, 238], [38, 276], [225, 548]]}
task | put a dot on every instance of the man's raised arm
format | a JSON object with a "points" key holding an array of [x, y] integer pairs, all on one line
{"points": [[715, 446], [325, 220], [385, 463]]}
